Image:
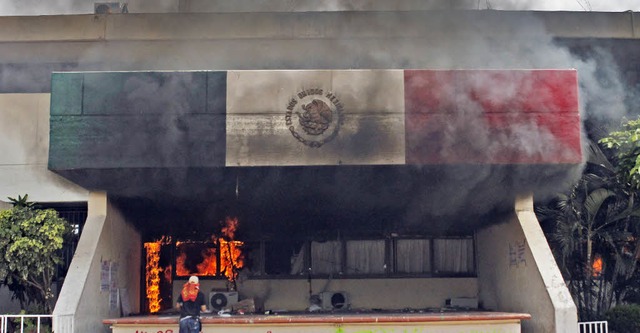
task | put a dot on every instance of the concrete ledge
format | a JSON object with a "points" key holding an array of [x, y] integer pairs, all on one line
{"points": [[437, 322], [330, 25], [336, 318], [52, 28]]}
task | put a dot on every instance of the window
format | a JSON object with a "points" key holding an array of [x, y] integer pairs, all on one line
{"points": [[413, 256], [284, 258], [326, 257], [76, 214], [365, 257], [197, 258], [453, 255], [393, 257]]}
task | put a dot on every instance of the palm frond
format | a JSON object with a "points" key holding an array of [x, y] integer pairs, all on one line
{"points": [[595, 200]]}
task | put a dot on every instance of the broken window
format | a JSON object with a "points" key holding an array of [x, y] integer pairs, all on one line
{"points": [[196, 258], [359, 258], [283, 257]]}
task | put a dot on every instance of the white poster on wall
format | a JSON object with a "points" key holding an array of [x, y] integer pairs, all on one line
{"points": [[113, 286]]}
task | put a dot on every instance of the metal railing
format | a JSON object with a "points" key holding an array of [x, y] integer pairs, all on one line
{"points": [[593, 327], [25, 323]]}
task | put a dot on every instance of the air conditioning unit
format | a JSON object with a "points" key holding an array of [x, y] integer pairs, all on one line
{"points": [[462, 302], [219, 300], [110, 8], [334, 300]]}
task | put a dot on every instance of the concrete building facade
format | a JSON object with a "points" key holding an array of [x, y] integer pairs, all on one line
{"points": [[122, 209]]}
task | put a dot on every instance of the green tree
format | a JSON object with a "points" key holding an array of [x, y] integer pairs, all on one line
{"points": [[595, 222], [30, 244], [626, 147]]}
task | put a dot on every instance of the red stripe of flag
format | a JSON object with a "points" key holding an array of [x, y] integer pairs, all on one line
{"points": [[492, 116]]}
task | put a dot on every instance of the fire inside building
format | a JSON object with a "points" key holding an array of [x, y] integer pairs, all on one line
{"points": [[360, 170]]}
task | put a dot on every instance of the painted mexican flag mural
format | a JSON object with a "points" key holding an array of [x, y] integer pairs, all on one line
{"points": [[108, 120]]}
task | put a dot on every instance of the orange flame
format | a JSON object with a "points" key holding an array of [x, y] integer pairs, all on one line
{"points": [[230, 252], [597, 265], [231, 225], [208, 266], [231, 258], [181, 269], [152, 276]]}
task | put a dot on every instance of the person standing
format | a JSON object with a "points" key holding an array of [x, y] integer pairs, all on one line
{"points": [[190, 303]]}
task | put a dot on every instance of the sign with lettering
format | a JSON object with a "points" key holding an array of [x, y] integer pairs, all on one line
{"points": [[511, 326]]}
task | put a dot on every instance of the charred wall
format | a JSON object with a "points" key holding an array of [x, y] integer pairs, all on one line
{"points": [[187, 148]]}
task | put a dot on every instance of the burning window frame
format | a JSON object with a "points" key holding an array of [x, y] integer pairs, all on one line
{"points": [[221, 258]]}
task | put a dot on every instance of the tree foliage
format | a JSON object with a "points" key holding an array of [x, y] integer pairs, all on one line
{"points": [[626, 145], [594, 231], [30, 244], [624, 318]]}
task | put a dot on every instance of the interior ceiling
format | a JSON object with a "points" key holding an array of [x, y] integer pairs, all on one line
{"points": [[316, 201]]}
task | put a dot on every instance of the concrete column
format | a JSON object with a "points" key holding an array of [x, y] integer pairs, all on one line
{"points": [[517, 272], [104, 270]]}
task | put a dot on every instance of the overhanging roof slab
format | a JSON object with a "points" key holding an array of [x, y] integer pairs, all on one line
{"points": [[105, 120], [420, 144]]}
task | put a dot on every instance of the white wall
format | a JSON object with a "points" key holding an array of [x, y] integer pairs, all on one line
{"points": [[392, 294], [106, 237], [24, 147], [517, 272]]}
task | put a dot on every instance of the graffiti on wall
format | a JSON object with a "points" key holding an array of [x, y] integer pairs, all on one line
{"points": [[517, 252]]}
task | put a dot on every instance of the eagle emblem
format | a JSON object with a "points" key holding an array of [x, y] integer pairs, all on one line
{"points": [[314, 117]]}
